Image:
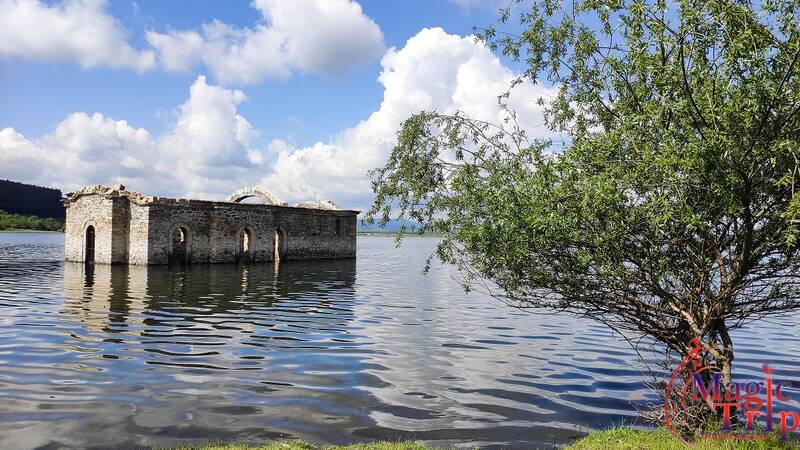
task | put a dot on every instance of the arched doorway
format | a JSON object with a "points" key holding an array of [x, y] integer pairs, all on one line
{"points": [[88, 253], [279, 245], [245, 253], [179, 248]]}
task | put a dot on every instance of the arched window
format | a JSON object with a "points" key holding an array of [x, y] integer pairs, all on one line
{"points": [[279, 245], [88, 254], [245, 245], [338, 227], [180, 245]]}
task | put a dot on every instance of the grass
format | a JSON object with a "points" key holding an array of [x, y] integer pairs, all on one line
{"points": [[628, 439], [621, 438], [299, 445]]}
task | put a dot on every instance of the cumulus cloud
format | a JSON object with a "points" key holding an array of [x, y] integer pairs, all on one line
{"points": [[209, 150], [81, 150], [434, 70], [77, 30], [205, 153], [315, 36]]}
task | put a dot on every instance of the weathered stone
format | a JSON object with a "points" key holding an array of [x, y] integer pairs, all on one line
{"points": [[255, 191], [130, 228], [318, 204]]}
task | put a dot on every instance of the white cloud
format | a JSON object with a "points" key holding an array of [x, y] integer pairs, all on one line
{"points": [[315, 36], [205, 153], [208, 130], [178, 50], [434, 70], [208, 151], [81, 150], [77, 30], [465, 3], [208, 148]]}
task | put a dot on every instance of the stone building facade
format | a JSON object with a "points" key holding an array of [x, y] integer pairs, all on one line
{"points": [[115, 226]]}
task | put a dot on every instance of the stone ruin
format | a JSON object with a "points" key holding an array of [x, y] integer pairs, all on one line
{"points": [[116, 226]]}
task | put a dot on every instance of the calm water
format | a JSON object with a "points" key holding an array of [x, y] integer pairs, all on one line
{"points": [[331, 352]]}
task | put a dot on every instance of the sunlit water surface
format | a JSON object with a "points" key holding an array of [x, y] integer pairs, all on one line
{"points": [[330, 351]]}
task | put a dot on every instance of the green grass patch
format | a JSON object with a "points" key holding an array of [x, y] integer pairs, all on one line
{"points": [[623, 438], [299, 445], [619, 438]]}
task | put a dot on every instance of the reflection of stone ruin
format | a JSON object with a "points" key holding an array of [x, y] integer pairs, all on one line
{"points": [[112, 225], [132, 299]]}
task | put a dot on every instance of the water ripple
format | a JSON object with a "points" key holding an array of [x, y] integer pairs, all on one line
{"points": [[329, 351]]}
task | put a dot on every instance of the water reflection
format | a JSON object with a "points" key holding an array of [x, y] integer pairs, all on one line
{"points": [[153, 300], [326, 351]]}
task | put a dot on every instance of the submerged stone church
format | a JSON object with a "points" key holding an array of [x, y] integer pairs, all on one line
{"points": [[116, 226]]}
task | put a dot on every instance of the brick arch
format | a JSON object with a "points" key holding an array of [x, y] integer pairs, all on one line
{"points": [[254, 191]]}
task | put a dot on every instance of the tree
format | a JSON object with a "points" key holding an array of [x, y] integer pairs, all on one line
{"points": [[29, 222], [671, 208]]}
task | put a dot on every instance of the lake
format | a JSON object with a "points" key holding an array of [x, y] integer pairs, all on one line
{"points": [[333, 351]]}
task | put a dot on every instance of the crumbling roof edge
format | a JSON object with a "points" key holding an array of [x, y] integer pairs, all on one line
{"points": [[149, 200]]}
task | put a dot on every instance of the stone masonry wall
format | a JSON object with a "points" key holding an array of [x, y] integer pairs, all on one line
{"points": [[163, 220], [94, 210], [139, 229], [214, 229], [133, 229], [120, 229]]}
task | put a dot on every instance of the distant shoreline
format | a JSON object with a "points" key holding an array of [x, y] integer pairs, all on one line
{"points": [[24, 230], [394, 234]]}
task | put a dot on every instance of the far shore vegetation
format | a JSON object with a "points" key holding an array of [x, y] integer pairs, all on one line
{"points": [[19, 222]]}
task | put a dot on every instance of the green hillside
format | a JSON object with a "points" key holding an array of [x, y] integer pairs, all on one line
{"points": [[30, 200]]}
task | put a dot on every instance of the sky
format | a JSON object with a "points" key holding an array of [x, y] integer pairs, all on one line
{"points": [[197, 98]]}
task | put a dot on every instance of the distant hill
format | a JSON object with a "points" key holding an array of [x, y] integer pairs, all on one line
{"points": [[30, 200]]}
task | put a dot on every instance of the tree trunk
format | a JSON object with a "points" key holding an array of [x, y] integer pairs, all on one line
{"points": [[727, 352]]}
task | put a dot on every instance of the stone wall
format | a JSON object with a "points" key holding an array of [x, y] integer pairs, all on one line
{"points": [[120, 229], [139, 231], [214, 230], [95, 211], [134, 229]]}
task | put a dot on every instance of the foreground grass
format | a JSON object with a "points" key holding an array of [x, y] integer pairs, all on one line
{"points": [[299, 445], [616, 438], [627, 439]]}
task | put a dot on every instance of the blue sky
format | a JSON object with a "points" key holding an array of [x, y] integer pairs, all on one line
{"points": [[284, 93], [37, 95]]}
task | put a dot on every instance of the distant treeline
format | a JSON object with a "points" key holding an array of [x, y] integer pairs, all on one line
{"points": [[18, 221], [30, 200]]}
